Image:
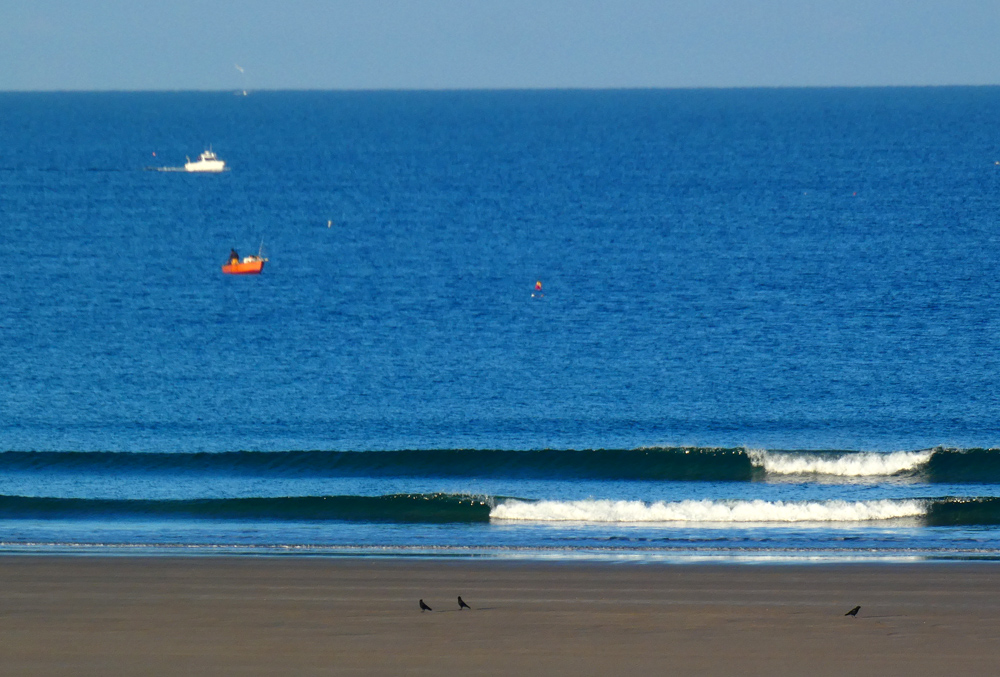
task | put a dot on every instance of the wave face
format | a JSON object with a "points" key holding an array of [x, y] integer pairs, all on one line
{"points": [[964, 512], [421, 508], [666, 463], [617, 464]]}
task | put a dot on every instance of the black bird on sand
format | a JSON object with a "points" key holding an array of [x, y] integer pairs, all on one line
{"points": [[424, 607], [462, 604], [853, 612]]}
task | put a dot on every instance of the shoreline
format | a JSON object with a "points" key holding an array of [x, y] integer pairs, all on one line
{"points": [[554, 557], [313, 615]]}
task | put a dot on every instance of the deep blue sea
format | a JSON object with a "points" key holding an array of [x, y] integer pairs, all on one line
{"points": [[767, 329]]}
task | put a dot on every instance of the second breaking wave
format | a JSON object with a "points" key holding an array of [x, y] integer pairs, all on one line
{"points": [[658, 463], [458, 508]]}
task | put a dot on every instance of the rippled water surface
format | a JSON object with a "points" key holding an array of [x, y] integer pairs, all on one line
{"points": [[725, 274]]}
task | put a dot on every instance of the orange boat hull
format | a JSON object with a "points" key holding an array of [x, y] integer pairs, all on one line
{"points": [[245, 268]]}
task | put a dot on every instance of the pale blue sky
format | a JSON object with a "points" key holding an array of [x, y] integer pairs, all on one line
{"points": [[434, 44]]}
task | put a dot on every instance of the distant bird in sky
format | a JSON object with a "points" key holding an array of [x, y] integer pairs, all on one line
{"points": [[424, 607], [853, 612], [462, 604]]}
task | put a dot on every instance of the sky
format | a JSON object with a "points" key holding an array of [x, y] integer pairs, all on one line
{"points": [[494, 44]]}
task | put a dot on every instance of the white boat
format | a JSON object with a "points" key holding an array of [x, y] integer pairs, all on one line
{"points": [[207, 162]]}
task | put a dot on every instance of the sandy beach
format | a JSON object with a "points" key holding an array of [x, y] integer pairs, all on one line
{"points": [[263, 616]]}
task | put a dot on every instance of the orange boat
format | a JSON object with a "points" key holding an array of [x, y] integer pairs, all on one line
{"points": [[250, 265]]}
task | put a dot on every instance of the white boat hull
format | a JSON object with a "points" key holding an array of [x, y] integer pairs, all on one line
{"points": [[205, 166], [206, 162]]}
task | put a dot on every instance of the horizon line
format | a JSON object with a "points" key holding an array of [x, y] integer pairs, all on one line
{"points": [[238, 90]]}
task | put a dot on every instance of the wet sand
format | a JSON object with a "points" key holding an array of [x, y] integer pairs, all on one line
{"points": [[298, 616]]}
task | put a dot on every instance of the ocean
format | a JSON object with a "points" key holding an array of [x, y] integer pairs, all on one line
{"points": [[741, 326]]}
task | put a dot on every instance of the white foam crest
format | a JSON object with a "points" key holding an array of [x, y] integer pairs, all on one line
{"points": [[593, 510], [865, 464]]}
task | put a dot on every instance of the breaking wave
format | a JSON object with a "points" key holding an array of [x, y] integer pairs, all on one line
{"points": [[841, 464], [755, 511], [440, 508], [936, 512], [656, 463]]}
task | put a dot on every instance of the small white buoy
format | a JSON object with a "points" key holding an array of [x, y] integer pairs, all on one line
{"points": [[329, 223]]}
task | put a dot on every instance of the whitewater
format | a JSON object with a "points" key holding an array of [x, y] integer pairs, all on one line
{"points": [[753, 512], [840, 465]]}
